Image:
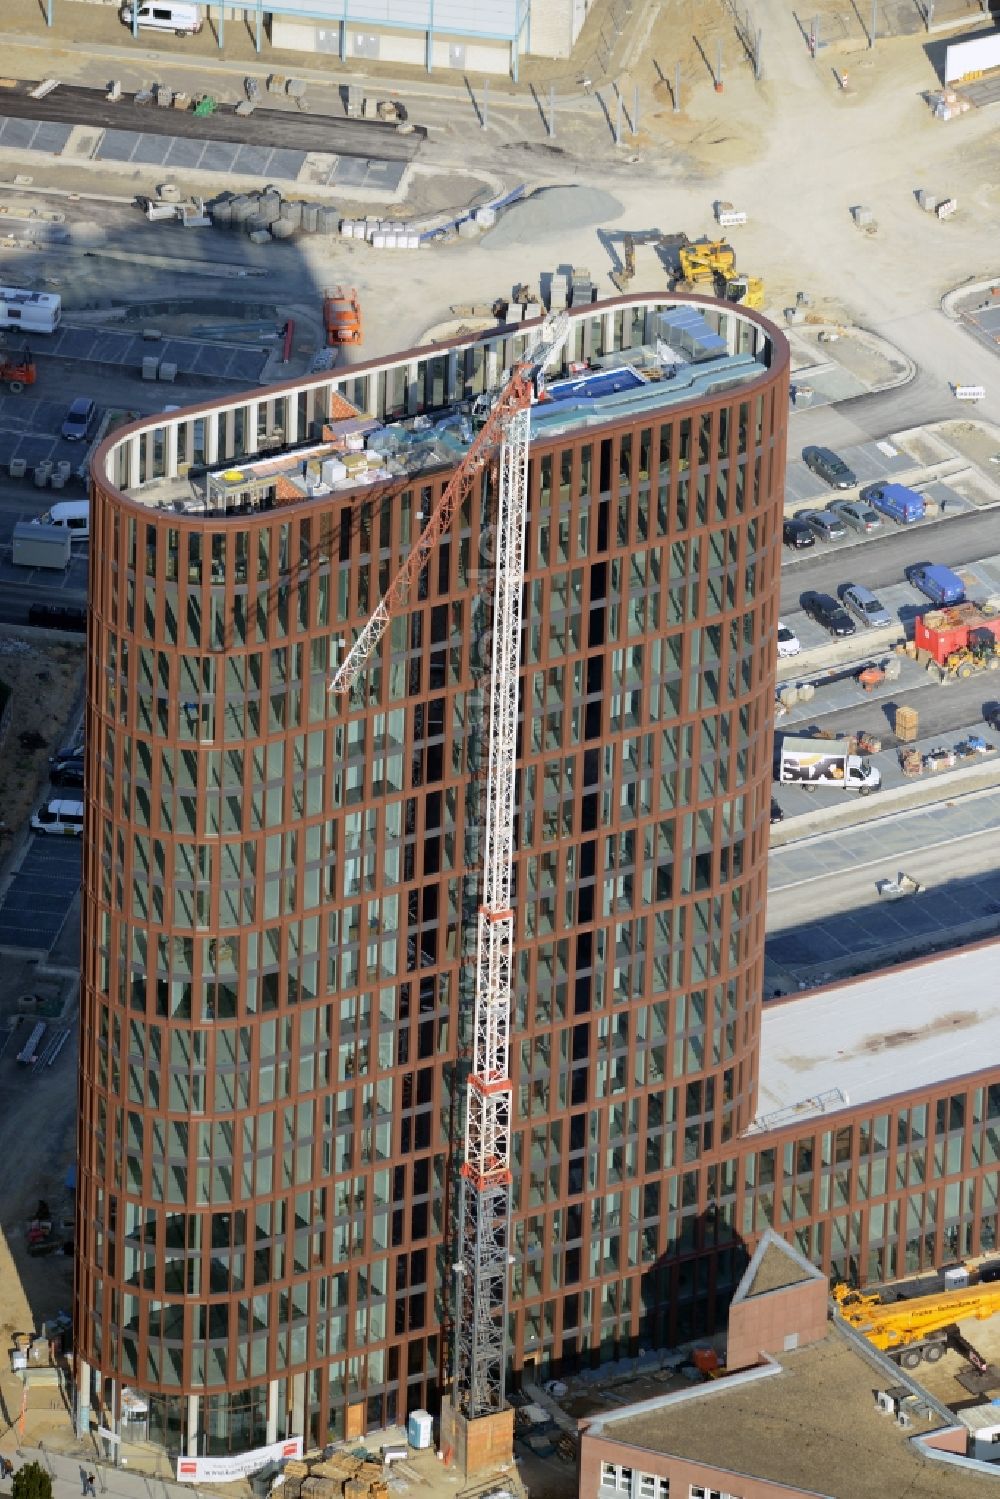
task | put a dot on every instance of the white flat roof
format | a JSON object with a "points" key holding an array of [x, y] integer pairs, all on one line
{"points": [[891, 1032]]}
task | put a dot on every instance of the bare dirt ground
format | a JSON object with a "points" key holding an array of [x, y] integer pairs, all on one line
{"points": [[974, 441], [47, 681]]}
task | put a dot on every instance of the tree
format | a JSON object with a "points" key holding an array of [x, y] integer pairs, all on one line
{"points": [[32, 1482]]}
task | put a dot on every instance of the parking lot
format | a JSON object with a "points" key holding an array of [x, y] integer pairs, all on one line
{"points": [[902, 600], [870, 461], [40, 894], [29, 429]]}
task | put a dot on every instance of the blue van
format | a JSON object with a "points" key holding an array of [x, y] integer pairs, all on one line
{"points": [[940, 584], [896, 501]]}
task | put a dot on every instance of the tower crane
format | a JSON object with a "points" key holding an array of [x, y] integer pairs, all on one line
{"points": [[485, 1181]]}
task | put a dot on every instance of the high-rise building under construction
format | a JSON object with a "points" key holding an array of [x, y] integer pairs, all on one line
{"points": [[281, 884]]}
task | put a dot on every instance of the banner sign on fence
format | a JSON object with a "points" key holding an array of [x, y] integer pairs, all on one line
{"points": [[239, 1465]]}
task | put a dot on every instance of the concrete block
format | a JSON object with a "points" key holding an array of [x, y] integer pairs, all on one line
{"points": [[295, 88], [168, 370], [18, 467], [150, 367]]}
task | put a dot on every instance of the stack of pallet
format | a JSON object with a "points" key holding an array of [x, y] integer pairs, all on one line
{"points": [[338, 1475], [295, 1472]]}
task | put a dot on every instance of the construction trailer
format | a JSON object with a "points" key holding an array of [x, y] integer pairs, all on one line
{"points": [[962, 639]]}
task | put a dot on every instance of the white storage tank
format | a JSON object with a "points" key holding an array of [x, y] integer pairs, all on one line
{"points": [[420, 1430]]}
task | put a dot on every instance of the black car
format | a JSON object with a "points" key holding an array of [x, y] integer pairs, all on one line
{"points": [[58, 616], [777, 815], [829, 466], [797, 534], [825, 610], [67, 773]]}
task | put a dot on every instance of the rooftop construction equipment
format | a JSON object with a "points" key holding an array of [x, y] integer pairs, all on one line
{"points": [[922, 1327], [484, 1219]]}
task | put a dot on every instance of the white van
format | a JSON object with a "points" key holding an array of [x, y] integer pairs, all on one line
{"points": [[165, 15], [74, 515], [59, 817]]}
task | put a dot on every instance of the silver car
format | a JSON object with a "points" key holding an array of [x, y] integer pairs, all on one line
{"points": [[858, 515], [865, 607], [826, 525]]}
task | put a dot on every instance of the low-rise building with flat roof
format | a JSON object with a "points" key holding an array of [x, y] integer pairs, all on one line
{"points": [[817, 1412]]}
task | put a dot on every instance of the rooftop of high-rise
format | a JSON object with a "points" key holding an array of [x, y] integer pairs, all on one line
{"points": [[692, 352]]}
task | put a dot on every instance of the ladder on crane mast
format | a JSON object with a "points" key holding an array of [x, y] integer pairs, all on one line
{"points": [[485, 1179]]}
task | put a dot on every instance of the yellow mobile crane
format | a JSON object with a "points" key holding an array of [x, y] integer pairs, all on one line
{"points": [[921, 1328]]}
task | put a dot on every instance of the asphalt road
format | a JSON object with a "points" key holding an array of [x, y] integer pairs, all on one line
{"points": [[273, 127], [883, 560], [943, 709]]}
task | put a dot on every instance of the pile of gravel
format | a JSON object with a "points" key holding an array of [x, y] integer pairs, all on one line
{"points": [[548, 213]]}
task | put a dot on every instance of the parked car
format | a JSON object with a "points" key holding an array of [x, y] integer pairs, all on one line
{"points": [[896, 501], [788, 642], [937, 583], [58, 616], [795, 533], [858, 515], [829, 466], [777, 815], [824, 523], [79, 419], [72, 751], [67, 773], [59, 817], [864, 605], [826, 611]]}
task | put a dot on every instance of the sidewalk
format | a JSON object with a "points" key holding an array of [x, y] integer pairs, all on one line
{"points": [[67, 1470]]}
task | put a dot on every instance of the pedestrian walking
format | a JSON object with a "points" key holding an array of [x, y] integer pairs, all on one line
{"points": [[6, 1468], [91, 1486]]}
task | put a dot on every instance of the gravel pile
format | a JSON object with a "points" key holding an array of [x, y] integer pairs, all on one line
{"points": [[549, 212]]}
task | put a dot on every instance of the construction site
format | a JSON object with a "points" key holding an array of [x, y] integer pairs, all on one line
{"points": [[438, 396]]}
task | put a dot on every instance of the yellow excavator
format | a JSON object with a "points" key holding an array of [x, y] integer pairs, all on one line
{"points": [[923, 1327], [709, 267]]}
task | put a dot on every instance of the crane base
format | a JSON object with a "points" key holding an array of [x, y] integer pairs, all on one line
{"points": [[478, 1446]]}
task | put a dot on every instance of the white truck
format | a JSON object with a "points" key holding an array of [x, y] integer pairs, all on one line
{"points": [[811, 763]]}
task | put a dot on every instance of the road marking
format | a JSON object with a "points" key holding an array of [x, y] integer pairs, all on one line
{"points": [[871, 863]]}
